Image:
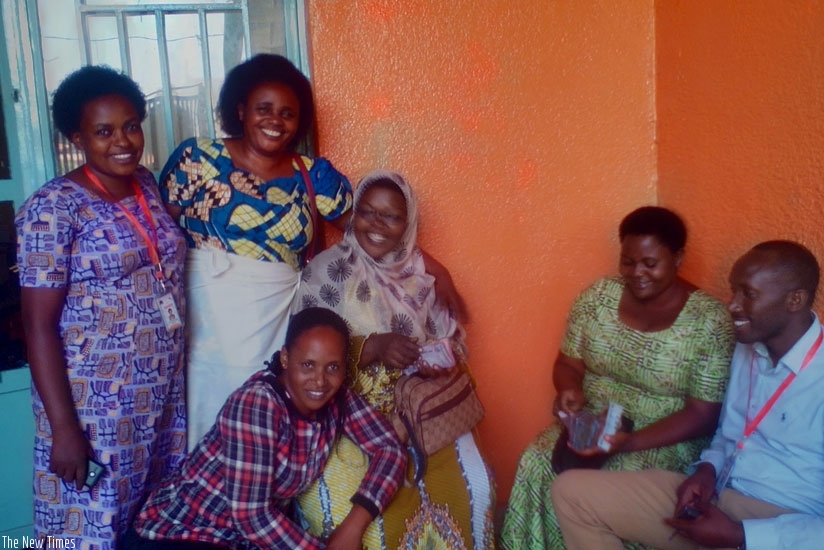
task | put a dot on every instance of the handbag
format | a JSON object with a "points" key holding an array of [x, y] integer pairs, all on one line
{"points": [[432, 413], [318, 242]]}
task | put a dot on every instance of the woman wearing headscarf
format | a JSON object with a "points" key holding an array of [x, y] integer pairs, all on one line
{"points": [[375, 279]]}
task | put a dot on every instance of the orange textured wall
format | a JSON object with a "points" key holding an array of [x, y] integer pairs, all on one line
{"points": [[741, 126], [528, 130]]}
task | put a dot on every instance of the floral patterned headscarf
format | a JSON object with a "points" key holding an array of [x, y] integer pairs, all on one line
{"points": [[391, 294]]}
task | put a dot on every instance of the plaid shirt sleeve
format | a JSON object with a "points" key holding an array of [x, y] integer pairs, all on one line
{"points": [[252, 449], [387, 457]]}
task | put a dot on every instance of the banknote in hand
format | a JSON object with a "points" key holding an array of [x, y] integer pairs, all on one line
{"points": [[438, 354]]}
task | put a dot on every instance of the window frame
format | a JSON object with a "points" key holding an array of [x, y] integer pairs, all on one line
{"points": [[31, 108]]}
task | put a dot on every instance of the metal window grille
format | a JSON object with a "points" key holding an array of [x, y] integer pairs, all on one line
{"points": [[178, 52]]}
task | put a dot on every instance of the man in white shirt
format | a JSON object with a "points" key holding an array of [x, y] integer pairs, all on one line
{"points": [[760, 483]]}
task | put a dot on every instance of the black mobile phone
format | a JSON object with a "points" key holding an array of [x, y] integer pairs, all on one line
{"points": [[688, 512], [94, 472]]}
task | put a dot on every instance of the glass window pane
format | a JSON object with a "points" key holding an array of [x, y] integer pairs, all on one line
{"points": [[177, 108], [227, 48], [266, 25], [60, 40], [190, 105], [103, 41], [154, 2], [145, 70]]}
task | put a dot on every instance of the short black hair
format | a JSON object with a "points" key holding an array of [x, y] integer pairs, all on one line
{"points": [[660, 222], [89, 83], [261, 69], [797, 261], [308, 319], [313, 317]]}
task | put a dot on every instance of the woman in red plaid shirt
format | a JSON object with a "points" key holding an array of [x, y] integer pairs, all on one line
{"points": [[270, 442]]}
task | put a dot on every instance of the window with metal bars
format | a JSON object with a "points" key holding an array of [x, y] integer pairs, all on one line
{"points": [[177, 51]]}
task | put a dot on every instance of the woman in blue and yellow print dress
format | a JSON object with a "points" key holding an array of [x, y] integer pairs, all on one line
{"points": [[107, 369], [245, 208], [649, 341]]}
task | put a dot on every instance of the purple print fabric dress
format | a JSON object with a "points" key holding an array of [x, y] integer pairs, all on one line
{"points": [[124, 367]]}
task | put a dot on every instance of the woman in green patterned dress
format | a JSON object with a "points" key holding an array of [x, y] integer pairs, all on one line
{"points": [[647, 340]]}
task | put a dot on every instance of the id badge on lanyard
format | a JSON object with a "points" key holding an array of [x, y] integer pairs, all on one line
{"points": [[168, 310], [723, 478], [166, 301]]}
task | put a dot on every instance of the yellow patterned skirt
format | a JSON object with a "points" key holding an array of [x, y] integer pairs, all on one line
{"points": [[450, 509]]}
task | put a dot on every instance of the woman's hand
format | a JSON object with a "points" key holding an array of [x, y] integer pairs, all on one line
{"points": [[349, 534], [568, 378], [570, 401], [393, 350], [429, 371], [69, 455], [344, 538], [41, 308], [447, 294], [174, 211], [617, 442], [445, 288], [696, 419]]}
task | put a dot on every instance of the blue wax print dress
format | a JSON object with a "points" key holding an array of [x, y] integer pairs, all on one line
{"points": [[245, 238], [228, 208]]}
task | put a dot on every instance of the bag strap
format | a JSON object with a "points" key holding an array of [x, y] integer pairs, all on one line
{"points": [[419, 458], [402, 411], [311, 249]]}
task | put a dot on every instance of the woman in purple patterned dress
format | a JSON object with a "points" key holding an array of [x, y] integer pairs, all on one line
{"points": [[101, 266]]}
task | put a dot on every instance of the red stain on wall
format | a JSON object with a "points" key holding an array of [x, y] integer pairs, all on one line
{"points": [[380, 10], [527, 173], [380, 105]]}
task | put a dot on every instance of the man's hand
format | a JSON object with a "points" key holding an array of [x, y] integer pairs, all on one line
{"points": [[696, 490], [712, 529]]}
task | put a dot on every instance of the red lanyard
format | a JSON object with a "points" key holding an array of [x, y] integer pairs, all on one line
{"points": [[151, 243], [753, 424]]}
